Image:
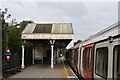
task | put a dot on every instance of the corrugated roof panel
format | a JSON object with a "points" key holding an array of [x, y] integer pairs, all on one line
{"points": [[43, 28], [55, 28], [66, 28], [29, 28], [48, 31], [62, 28]]}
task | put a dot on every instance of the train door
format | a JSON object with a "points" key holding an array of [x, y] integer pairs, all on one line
{"points": [[85, 55], [88, 67], [82, 63], [101, 60], [116, 60], [116, 73], [76, 60], [107, 60]]}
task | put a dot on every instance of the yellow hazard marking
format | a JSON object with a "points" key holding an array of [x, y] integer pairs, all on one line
{"points": [[66, 71]]}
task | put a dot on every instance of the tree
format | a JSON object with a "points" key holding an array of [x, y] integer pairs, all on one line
{"points": [[4, 15], [15, 43]]}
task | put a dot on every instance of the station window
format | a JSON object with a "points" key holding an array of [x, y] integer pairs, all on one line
{"points": [[101, 68], [117, 62]]}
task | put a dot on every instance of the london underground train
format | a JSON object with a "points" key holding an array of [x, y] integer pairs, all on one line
{"points": [[97, 57]]}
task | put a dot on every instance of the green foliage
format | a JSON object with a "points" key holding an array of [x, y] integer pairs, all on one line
{"points": [[28, 53], [15, 42]]}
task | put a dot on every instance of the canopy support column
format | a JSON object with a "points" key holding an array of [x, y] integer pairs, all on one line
{"points": [[52, 54], [23, 50]]}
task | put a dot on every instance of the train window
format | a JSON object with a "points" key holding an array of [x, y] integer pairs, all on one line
{"points": [[90, 59], [83, 60], [117, 62], [86, 56], [101, 62], [79, 58]]}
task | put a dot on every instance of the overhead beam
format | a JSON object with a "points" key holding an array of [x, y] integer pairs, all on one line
{"points": [[47, 36]]}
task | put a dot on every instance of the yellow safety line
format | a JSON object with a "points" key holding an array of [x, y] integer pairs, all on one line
{"points": [[66, 70]]}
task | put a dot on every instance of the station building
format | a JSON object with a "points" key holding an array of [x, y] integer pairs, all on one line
{"points": [[48, 39]]}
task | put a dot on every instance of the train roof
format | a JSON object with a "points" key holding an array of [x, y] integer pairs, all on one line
{"points": [[71, 48], [77, 45], [112, 30]]}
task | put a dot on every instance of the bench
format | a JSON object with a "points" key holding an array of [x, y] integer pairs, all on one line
{"points": [[10, 68], [13, 69]]}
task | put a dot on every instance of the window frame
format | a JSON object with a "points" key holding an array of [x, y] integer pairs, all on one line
{"points": [[83, 59], [90, 58], [107, 62], [114, 56]]}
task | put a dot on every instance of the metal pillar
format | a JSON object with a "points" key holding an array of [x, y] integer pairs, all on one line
{"points": [[23, 50], [52, 59], [52, 48], [23, 66]]}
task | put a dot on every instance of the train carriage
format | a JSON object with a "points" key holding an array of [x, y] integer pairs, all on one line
{"points": [[99, 55], [102, 53], [75, 59], [81, 59], [107, 54]]}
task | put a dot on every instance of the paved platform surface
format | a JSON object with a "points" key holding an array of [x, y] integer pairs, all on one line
{"points": [[60, 71]]}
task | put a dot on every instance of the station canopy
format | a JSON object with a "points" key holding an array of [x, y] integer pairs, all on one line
{"points": [[62, 33]]}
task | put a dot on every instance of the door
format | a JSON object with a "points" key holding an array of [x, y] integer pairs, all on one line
{"points": [[101, 56], [88, 68], [116, 62]]}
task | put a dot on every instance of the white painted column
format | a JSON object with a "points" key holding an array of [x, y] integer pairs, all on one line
{"points": [[52, 65], [52, 48], [23, 51], [23, 66]]}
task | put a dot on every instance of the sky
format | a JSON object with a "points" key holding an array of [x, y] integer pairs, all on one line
{"points": [[87, 16]]}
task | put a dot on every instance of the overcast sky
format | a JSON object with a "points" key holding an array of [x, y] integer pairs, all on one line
{"points": [[87, 17]]}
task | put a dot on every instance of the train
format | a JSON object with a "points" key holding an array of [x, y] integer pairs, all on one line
{"points": [[97, 57]]}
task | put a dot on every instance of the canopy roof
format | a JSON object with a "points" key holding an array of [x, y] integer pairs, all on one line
{"points": [[48, 31]]}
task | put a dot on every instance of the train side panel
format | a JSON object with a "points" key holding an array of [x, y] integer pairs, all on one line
{"points": [[75, 60], [107, 60], [81, 63]]}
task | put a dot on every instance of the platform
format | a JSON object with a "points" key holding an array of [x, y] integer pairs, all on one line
{"points": [[43, 71]]}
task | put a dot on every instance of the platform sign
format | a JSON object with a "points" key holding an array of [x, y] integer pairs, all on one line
{"points": [[7, 51], [7, 54]]}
